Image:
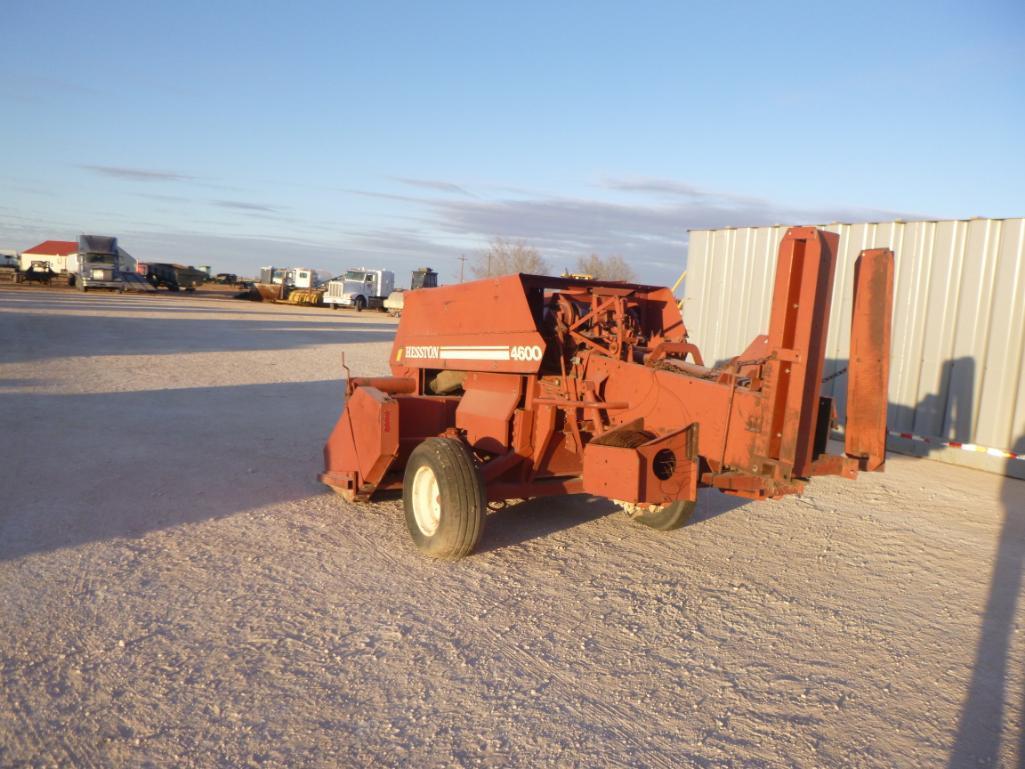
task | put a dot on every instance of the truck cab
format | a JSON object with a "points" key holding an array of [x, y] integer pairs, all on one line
{"points": [[99, 262], [360, 288]]}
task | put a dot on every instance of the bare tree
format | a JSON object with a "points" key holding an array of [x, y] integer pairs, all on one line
{"points": [[612, 267], [506, 256]]}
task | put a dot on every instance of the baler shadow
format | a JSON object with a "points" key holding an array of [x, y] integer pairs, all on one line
{"points": [[518, 523], [713, 503], [521, 522]]}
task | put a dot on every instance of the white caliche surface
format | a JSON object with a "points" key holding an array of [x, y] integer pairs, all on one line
{"points": [[176, 589]]}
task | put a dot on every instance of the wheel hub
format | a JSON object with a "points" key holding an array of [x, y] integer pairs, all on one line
{"points": [[426, 501]]}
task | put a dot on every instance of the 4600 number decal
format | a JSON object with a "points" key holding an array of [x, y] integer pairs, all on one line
{"points": [[525, 352]]}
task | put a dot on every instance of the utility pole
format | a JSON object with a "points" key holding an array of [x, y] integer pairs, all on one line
{"points": [[462, 261]]}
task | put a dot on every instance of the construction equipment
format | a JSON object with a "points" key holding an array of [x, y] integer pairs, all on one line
{"points": [[292, 285], [307, 296], [524, 386]]}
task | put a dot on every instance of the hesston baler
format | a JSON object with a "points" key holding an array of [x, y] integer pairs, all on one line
{"points": [[524, 386]]}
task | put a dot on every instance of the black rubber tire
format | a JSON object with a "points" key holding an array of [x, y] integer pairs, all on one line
{"points": [[461, 495], [360, 303], [671, 516]]}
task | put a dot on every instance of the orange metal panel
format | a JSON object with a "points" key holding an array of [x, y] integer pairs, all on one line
{"points": [[797, 335], [486, 408], [868, 371], [612, 471], [364, 442]]}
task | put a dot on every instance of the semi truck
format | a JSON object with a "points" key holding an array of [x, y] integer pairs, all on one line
{"points": [[360, 288], [101, 264]]}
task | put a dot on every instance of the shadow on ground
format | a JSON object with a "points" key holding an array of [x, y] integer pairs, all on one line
{"points": [[99, 466], [982, 726], [521, 522], [72, 334]]}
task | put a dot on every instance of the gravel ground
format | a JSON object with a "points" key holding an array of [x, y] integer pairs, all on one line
{"points": [[176, 589]]}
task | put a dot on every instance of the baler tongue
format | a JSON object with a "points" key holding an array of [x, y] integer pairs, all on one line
{"points": [[868, 370]]}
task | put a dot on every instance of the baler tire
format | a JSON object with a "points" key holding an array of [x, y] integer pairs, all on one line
{"points": [[461, 497], [671, 516]]}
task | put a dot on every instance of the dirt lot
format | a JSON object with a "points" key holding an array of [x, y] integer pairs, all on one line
{"points": [[176, 589]]}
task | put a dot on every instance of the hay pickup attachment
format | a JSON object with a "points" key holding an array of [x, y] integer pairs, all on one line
{"points": [[524, 386]]}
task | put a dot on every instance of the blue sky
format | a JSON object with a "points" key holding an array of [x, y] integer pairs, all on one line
{"points": [[335, 134]]}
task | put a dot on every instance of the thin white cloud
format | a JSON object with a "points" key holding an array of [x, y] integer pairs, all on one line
{"points": [[242, 205], [434, 184], [137, 174]]}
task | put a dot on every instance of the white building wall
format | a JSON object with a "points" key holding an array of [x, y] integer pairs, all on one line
{"points": [[57, 263]]}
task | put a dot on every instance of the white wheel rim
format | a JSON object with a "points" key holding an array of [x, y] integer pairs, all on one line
{"points": [[426, 501]]}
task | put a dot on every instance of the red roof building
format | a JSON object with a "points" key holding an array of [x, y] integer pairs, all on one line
{"points": [[54, 248]]}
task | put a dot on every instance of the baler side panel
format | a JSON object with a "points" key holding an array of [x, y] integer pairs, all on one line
{"points": [[486, 325]]}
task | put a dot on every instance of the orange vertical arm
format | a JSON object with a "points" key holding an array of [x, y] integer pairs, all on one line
{"points": [[868, 371], [798, 323]]}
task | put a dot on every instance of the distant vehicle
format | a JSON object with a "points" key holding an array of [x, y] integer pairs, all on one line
{"points": [[303, 277], [39, 272], [293, 277], [226, 279], [101, 264], [424, 277], [360, 288], [10, 264], [174, 277]]}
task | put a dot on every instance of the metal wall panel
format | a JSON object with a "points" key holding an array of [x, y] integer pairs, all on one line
{"points": [[958, 346]]}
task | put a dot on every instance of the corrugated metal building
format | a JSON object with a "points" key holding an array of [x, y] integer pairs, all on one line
{"points": [[958, 345]]}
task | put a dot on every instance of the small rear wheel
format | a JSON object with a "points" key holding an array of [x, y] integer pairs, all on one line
{"points": [[661, 517], [444, 499]]}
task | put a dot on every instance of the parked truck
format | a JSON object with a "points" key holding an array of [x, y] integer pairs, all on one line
{"points": [[101, 264], [174, 277], [423, 277], [360, 288]]}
